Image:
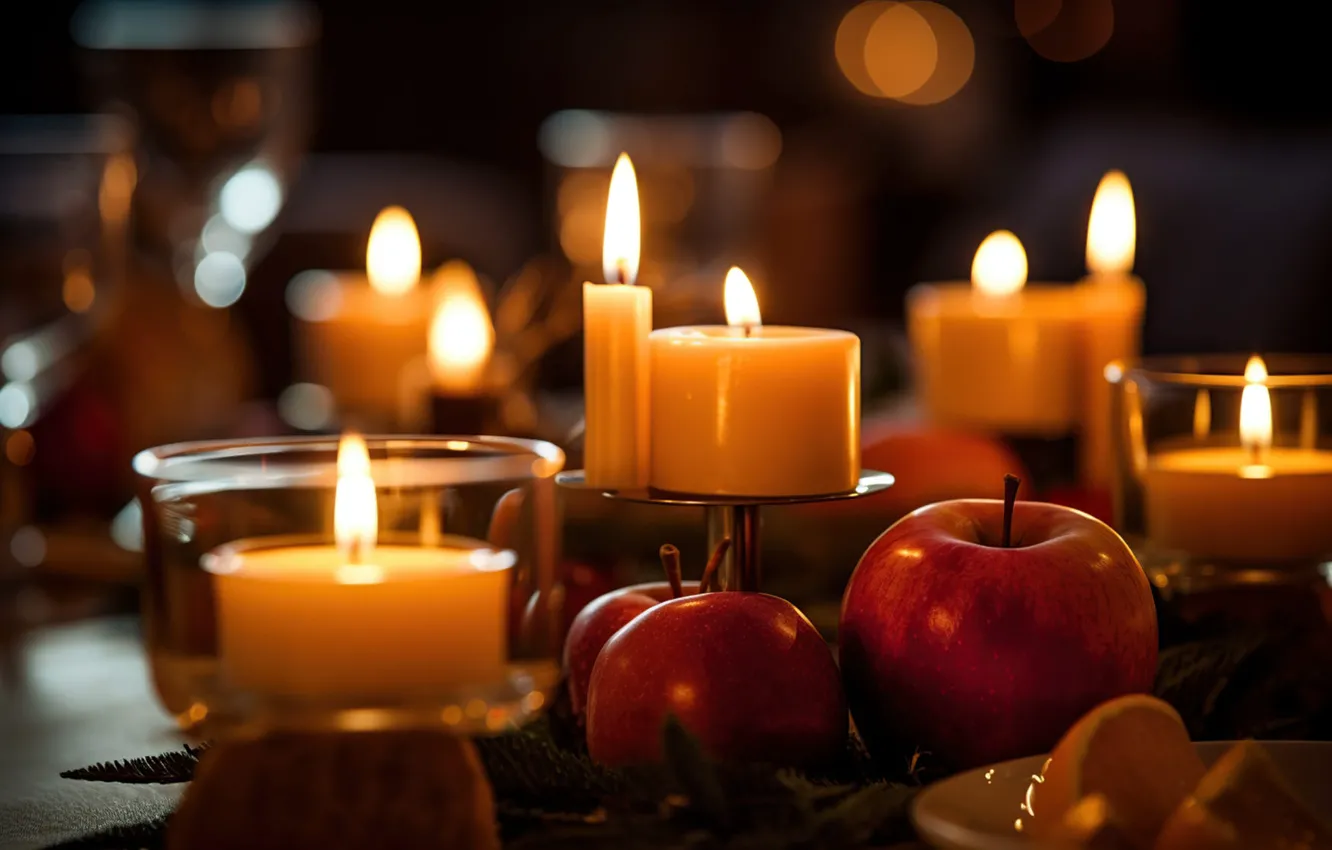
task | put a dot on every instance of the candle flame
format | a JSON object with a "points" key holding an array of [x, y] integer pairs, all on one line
{"points": [[1256, 408], [462, 336], [1000, 266], [623, 239], [742, 309], [1112, 229], [393, 255], [355, 508]]}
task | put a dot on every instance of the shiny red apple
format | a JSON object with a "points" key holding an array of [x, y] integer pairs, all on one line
{"points": [[598, 622], [745, 673], [976, 649]]}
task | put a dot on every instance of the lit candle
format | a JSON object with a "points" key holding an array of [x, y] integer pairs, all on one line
{"points": [[461, 341], [617, 318], [997, 353], [357, 619], [355, 334], [1114, 304], [752, 410], [1254, 502]]}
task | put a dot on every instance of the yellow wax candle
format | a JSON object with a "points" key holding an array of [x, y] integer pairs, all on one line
{"points": [[357, 333], [1254, 503], [1114, 301], [749, 410], [355, 621], [298, 620], [998, 354], [617, 318], [1214, 503]]}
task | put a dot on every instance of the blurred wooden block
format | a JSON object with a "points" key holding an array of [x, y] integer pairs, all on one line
{"points": [[331, 790]]}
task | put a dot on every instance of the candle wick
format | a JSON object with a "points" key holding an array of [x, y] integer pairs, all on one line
{"points": [[356, 551], [749, 331], [622, 271]]}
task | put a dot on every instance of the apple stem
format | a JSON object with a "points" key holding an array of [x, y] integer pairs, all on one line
{"points": [[670, 562], [1011, 483], [709, 579]]}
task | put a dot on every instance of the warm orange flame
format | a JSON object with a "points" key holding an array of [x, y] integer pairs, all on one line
{"points": [[393, 255], [1112, 229], [1256, 407], [742, 309], [355, 508], [1000, 266], [461, 334], [623, 241]]}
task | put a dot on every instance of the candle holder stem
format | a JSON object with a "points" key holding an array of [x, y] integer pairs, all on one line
{"points": [[734, 517], [741, 568]]}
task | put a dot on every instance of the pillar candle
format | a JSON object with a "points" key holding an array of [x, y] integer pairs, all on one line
{"points": [[997, 354], [298, 620], [357, 334], [750, 410]]}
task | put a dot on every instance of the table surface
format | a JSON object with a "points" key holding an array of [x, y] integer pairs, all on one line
{"points": [[70, 696]]}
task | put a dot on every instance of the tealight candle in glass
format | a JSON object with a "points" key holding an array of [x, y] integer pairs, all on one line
{"points": [[1224, 465], [313, 580]]}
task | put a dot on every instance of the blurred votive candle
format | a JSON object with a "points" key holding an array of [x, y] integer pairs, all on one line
{"points": [[1254, 503], [998, 354], [1114, 301], [354, 622], [617, 318], [744, 409], [464, 397], [356, 333]]}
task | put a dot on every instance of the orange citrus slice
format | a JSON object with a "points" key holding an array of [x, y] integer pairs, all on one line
{"points": [[1091, 825], [1244, 802], [1134, 752]]}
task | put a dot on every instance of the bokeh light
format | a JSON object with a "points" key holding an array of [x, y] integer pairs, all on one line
{"points": [[1065, 30], [918, 52], [28, 545], [750, 141], [219, 279], [20, 447], [314, 296], [78, 291], [850, 44], [18, 404], [308, 407], [956, 54], [20, 361], [901, 52], [251, 198]]}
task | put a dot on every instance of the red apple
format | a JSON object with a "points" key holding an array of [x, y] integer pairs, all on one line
{"points": [[977, 651], [745, 673], [598, 622], [579, 585], [928, 463]]}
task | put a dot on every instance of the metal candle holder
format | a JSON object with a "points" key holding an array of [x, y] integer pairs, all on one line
{"points": [[736, 517]]}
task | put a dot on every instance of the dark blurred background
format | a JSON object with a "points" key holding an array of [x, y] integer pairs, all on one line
{"points": [[1218, 112]]}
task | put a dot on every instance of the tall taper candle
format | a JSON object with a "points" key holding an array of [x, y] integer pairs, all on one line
{"points": [[617, 318]]}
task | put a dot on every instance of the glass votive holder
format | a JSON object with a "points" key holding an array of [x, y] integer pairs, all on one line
{"points": [[1223, 467], [288, 587]]}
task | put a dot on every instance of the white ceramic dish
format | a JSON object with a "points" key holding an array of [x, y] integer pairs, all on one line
{"points": [[982, 809]]}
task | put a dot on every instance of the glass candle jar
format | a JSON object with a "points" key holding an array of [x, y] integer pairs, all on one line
{"points": [[286, 586], [1224, 465]]}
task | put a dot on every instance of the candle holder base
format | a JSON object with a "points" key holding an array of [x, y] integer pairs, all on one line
{"points": [[736, 517], [474, 709], [290, 790]]}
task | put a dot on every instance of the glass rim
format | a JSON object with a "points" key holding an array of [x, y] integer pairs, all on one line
{"points": [[1285, 370], [208, 465]]}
